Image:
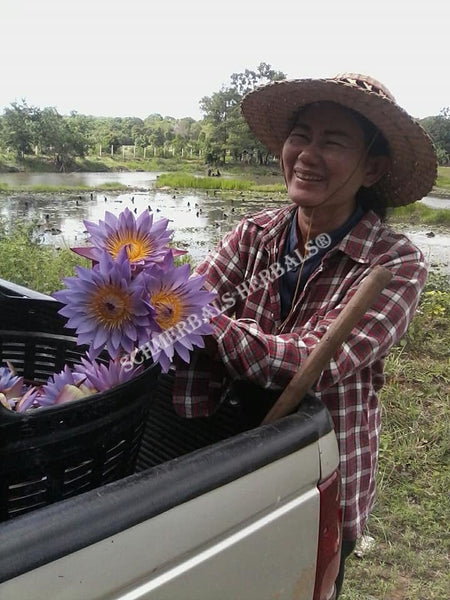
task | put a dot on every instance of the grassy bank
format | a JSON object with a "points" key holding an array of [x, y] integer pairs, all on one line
{"points": [[26, 262], [186, 181], [417, 214], [409, 559], [102, 164], [443, 181]]}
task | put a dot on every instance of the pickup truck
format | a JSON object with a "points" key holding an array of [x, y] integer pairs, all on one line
{"points": [[217, 508]]}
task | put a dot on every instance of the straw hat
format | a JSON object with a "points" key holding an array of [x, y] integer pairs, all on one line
{"points": [[271, 112]]}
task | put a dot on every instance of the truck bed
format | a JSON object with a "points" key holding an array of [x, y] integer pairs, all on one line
{"points": [[180, 459], [218, 507]]}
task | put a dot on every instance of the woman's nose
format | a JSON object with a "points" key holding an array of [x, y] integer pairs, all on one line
{"points": [[310, 152]]}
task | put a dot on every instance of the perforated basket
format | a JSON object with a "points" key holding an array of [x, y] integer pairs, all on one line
{"points": [[55, 452]]}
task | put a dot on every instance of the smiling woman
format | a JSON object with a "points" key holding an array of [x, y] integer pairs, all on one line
{"points": [[325, 166], [347, 151]]}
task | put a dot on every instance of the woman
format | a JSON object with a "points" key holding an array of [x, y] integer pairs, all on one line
{"points": [[347, 151]]}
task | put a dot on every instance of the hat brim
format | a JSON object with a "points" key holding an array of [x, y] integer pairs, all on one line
{"points": [[271, 112]]}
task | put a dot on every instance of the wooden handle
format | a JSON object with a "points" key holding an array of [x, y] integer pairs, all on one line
{"points": [[337, 333]]}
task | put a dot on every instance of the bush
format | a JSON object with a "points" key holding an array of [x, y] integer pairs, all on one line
{"points": [[26, 262]]}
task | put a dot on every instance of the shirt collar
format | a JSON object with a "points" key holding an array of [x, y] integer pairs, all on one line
{"points": [[358, 242], [335, 236]]}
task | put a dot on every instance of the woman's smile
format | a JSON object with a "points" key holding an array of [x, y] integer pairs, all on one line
{"points": [[308, 176]]}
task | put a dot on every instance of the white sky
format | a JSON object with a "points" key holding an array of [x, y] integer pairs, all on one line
{"points": [[138, 57]]}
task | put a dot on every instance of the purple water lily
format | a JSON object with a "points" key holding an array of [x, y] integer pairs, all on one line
{"points": [[30, 399], [106, 306], [102, 376], [146, 241], [179, 303], [11, 386], [64, 387]]}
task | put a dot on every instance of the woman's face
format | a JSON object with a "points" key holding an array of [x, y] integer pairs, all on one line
{"points": [[324, 158]]}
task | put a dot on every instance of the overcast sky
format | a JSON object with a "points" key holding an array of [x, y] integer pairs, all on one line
{"points": [[138, 57]]}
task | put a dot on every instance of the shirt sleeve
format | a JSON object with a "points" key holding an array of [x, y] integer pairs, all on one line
{"points": [[271, 360], [200, 386], [223, 268]]}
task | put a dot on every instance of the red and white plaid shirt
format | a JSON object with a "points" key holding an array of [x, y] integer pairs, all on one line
{"points": [[251, 346]]}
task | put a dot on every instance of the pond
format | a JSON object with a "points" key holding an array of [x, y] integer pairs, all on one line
{"points": [[199, 219]]}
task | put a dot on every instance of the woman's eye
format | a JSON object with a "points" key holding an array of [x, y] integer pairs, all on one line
{"points": [[298, 137], [336, 142]]}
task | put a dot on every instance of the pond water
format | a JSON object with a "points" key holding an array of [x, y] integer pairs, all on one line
{"points": [[144, 179], [199, 219]]}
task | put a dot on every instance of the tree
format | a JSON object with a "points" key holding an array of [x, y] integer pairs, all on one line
{"points": [[245, 82], [226, 131], [220, 111], [19, 128], [438, 128], [64, 138]]}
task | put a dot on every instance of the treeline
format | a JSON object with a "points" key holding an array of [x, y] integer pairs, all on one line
{"points": [[220, 136]]}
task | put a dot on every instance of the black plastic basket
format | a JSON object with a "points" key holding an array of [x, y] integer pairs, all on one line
{"points": [[56, 452]]}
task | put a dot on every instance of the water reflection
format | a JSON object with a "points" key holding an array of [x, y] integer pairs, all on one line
{"points": [[198, 220], [144, 179]]}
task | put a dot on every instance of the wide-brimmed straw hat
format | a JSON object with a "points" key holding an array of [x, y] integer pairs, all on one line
{"points": [[271, 112]]}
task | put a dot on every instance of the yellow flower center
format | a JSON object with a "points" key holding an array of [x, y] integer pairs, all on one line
{"points": [[169, 308], [138, 248], [111, 306]]}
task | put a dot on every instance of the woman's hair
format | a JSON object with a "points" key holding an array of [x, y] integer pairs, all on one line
{"points": [[377, 145]]}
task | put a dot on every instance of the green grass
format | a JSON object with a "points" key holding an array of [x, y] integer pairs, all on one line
{"points": [[443, 178], [129, 163], [186, 181], [410, 520], [183, 180], [26, 262], [417, 213]]}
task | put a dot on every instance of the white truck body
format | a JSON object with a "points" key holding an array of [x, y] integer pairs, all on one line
{"points": [[215, 510]]}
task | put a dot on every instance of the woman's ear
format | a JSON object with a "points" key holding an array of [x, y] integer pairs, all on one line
{"points": [[376, 167]]}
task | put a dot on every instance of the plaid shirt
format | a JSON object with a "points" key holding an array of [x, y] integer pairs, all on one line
{"points": [[252, 347]]}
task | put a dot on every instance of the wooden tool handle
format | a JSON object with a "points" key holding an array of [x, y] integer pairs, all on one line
{"points": [[337, 333]]}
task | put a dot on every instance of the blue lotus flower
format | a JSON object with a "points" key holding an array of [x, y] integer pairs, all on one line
{"points": [[103, 377], [145, 241], [106, 306], [179, 302], [64, 387], [11, 386]]}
